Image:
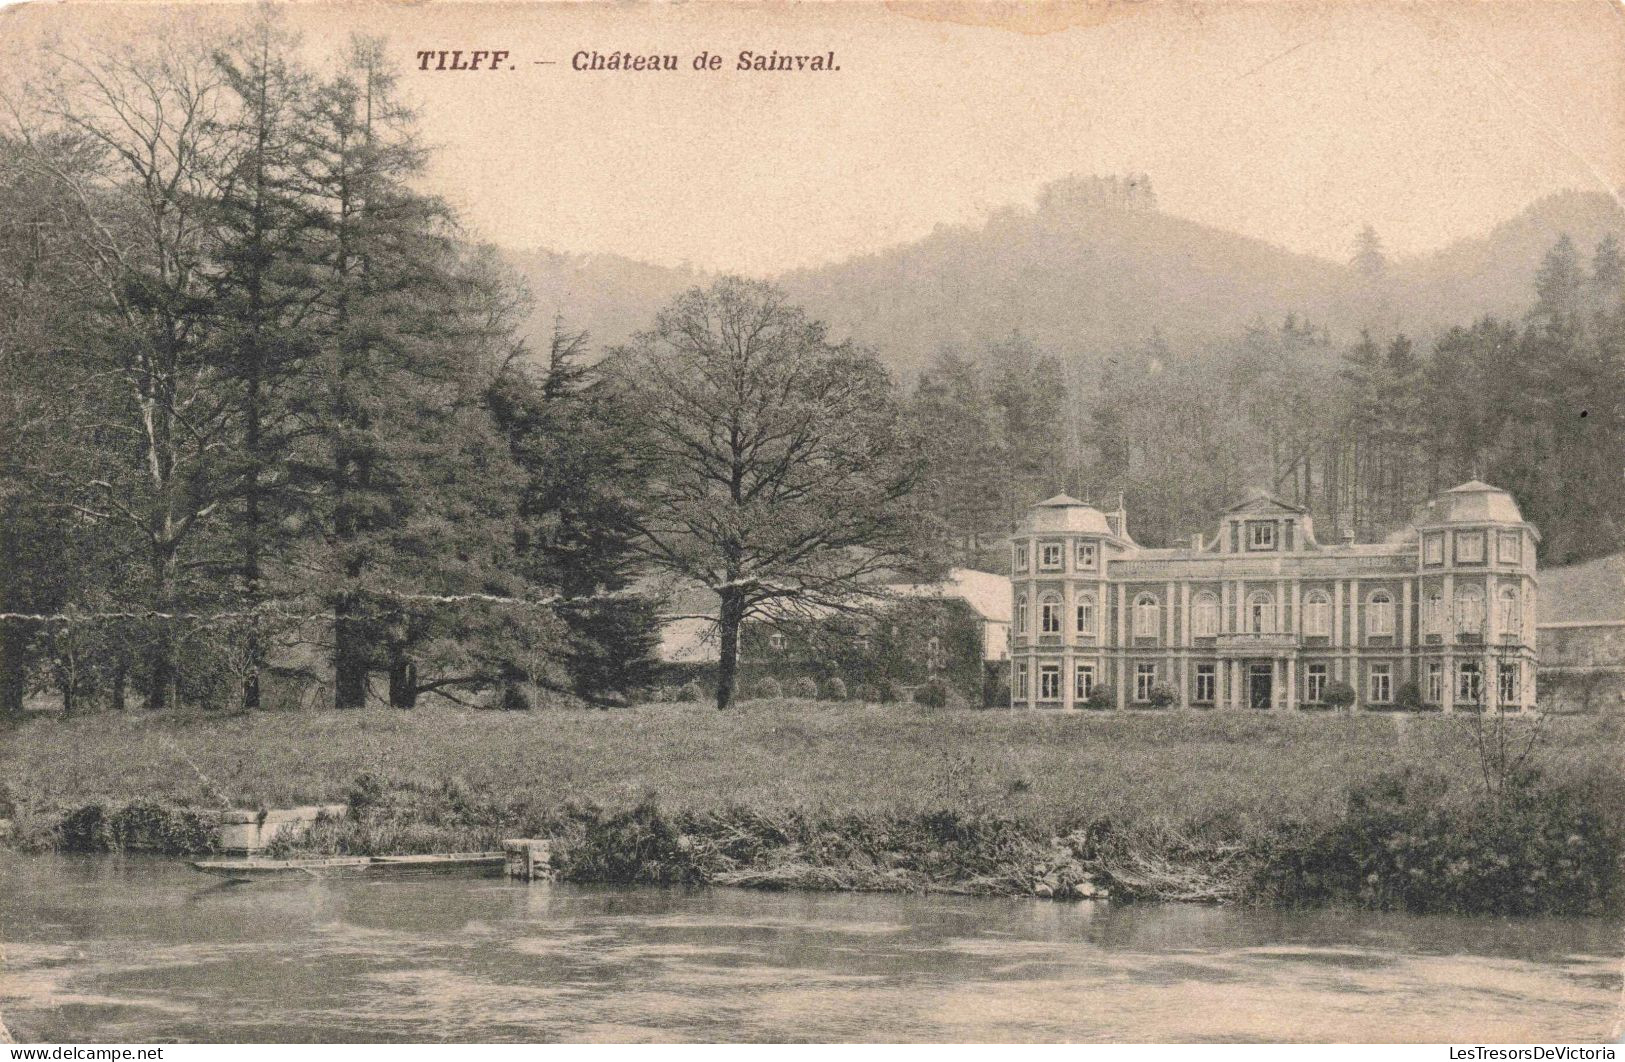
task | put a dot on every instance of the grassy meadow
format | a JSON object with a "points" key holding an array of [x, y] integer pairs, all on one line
{"points": [[1216, 767], [1384, 811]]}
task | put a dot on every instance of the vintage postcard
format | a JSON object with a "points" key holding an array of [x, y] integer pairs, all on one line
{"points": [[862, 522]]}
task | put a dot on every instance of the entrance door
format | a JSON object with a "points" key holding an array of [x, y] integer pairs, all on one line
{"points": [[1260, 684]]}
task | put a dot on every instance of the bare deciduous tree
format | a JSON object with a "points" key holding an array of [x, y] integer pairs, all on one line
{"points": [[781, 471]]}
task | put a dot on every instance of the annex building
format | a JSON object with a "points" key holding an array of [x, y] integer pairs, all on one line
{"points": [[1264, 616]]}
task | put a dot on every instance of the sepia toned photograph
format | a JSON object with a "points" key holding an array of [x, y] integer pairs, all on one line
{"points": [[842, 523]]}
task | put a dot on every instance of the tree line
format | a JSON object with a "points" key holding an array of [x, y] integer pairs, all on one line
{"points": [[270, 412], [272, 419], [1362, 435]]}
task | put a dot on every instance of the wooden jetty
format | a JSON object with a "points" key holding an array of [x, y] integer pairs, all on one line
{"points": [[252, 869]]}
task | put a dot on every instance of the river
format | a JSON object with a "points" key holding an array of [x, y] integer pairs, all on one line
{"points": [[139, 949]]}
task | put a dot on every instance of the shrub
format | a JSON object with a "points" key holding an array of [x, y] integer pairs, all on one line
{"points": [[139, 825], [866, 693], [769, 689], [691, 692], [660, 695], [1409, 698], [1162, 696], [1404, 844], [886, 692], [805, 688], [1101, 695], [1339, 696], [835, 689], [934, 694]]}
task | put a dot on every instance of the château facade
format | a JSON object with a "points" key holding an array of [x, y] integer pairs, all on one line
{"points": [[1264, 616]]}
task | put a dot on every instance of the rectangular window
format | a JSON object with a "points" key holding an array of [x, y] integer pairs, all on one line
{"points": [[1261, 534], [1382, 683], [1049, 682], [1145, 617], [1379, 615], [1084, 681], [1435, 690], [1205, 616], [1510, 674], [1051, 557], [1317, 616], [1086, 616], [1019, 558], [1049, 616], [1469, 684], [1021, 682], [1511, 549], [1469, 547], [1086, 556], [1207, 683], [1433, 548], [1145, 677], [1315, 684]]}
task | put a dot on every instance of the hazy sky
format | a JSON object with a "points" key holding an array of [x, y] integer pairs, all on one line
{"points": [[1292, 123]]}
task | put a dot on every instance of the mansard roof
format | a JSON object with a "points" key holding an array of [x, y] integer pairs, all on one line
{"points": [[1474, 502], [1064, 514]]}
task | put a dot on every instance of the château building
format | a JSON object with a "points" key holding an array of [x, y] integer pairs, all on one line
{"points": [[1264, 616]]}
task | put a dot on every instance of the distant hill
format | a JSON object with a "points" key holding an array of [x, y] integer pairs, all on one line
{"points": [[609, 296], [1083, 274]]}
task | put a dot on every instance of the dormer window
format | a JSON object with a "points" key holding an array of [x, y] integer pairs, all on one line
{"points": [[1051, 557], [1086, 556], [1511, 548], [1261, 534], [1469, 547]]}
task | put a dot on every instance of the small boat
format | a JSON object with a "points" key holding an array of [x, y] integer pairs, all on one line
{"points": [[450, 861], [251, 868]]}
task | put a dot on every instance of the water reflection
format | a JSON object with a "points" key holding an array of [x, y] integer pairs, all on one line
{"points": [[144, 949]]}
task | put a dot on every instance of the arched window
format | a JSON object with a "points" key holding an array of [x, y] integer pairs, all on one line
{"points": [[1049, 614], [1379, 614], [1086, 614], [1021, 614], [1145, 616], [1317, 614], [1205, 615], [1511, 615], [1433, 618], [1260, 612], [1469, 610]]}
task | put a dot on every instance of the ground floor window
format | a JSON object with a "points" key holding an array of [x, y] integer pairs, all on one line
{"points": [[1435, 689], [1145, 677], [1049, 682], [1509, 684], [1469, 683], [1021, 682], [1315, 683], [1084, 683], [1207, 683], [1382, 683]]}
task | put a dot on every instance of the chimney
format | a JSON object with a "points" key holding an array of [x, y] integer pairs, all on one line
{"points": [[1121, 523], [1196, 542]]}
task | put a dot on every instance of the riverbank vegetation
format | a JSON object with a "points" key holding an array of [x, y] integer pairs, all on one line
{"points": [[1419, 813]]}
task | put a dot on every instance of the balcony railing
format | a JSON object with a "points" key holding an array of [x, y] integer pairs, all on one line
{"points": [[1255, 643]]}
